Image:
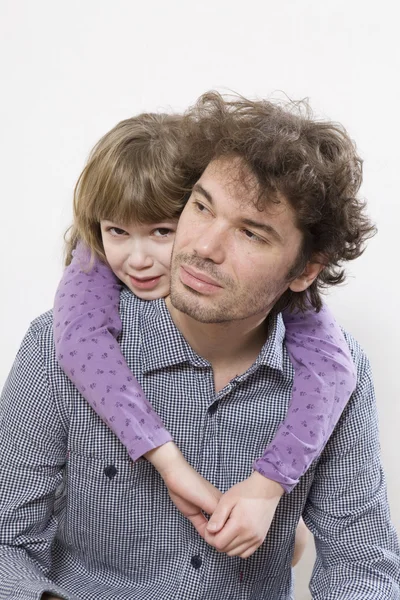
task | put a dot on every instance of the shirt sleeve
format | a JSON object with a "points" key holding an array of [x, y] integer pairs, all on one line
{"points": [[325, 377], [32, 455], [358, 554], [86, 325]]}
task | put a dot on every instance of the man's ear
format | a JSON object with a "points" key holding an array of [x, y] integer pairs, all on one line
{"points": [[310, 273]]}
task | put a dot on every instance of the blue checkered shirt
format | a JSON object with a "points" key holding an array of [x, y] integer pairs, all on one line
{"points": [[79, 519]]}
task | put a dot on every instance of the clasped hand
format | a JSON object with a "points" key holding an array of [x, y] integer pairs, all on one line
{"points": [[243, 516], [240, 518]]}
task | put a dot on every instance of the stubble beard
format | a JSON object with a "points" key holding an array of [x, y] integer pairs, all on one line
{"points": [[237, 305]]}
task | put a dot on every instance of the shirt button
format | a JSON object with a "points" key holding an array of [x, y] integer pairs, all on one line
{"points": [[110, 471], [196, 561]]}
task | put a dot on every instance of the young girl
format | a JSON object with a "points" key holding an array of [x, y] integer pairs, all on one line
{"points": [[131, 192]]}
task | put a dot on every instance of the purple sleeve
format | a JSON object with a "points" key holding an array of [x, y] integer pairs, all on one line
{"points": [[325, 378], [86, 325]]}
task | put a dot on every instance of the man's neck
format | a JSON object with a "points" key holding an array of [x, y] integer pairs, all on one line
{"points": [[231, 348]]}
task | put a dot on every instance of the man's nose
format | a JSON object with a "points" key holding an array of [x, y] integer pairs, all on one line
{"points": [[210, 243], [140, 257]]}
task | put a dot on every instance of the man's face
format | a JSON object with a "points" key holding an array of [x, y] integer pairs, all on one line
{"points": [[230, 261]]}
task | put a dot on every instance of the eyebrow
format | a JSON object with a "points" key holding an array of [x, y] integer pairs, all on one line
{"points": [[268, 229], [199, 188]]}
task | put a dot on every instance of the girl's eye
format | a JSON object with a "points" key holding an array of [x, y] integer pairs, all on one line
{"points": [[163, 231], [116, 231]]}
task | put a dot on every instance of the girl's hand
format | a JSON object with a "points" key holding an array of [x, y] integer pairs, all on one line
{"points": [[188, 490], [243, 516]]}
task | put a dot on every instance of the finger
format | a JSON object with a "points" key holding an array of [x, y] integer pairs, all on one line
{"points": [[199, 522], [221, 540], [220, 515], [240, 542], [239, 550], [244, 551], [250, 551]]}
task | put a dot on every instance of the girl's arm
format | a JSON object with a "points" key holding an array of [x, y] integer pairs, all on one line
{"points": [[86, 325], [324, 380]]}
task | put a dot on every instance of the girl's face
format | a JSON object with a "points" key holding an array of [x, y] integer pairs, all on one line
{"points": [[140, 255]]}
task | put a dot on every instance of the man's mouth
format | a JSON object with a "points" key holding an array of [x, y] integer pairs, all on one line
{"points": [[197, 280]]}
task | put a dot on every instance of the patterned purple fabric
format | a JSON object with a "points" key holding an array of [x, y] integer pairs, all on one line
{"points": [[87, 323], [325, 378]]}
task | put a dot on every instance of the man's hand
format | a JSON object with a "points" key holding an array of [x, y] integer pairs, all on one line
{"points": [[243, 516], [188, 490]]}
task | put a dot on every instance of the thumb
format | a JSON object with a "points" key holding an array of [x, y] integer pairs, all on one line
{"points": [[220, 516]]}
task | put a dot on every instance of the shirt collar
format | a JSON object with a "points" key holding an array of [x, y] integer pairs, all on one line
{"points": [[163, 345], [271, 354]]}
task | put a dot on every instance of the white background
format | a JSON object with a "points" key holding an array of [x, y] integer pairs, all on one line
{"points": [[71, 70]]}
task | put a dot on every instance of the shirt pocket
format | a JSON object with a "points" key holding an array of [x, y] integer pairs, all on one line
{"points": [[107, 526]]}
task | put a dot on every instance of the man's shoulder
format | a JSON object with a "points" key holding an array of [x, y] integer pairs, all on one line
{"points": [[41, 328], [42, 323], [357, 352], [362, 364], [39, 341]]}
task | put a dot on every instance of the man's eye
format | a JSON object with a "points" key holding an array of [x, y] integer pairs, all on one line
{"points": [[252, 236], [163, 232], [200, 207]]}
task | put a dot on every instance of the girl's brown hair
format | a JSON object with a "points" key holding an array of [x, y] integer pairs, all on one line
{"points": [[133, 173]]}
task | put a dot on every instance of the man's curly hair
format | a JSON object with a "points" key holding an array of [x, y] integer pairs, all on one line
{"points": [[313, 163]]}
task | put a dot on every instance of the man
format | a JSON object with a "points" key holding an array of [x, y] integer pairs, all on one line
{"points": [[272, 214]]}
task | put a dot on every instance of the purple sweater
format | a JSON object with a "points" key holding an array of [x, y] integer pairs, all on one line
{"points": [[87, 324]]}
